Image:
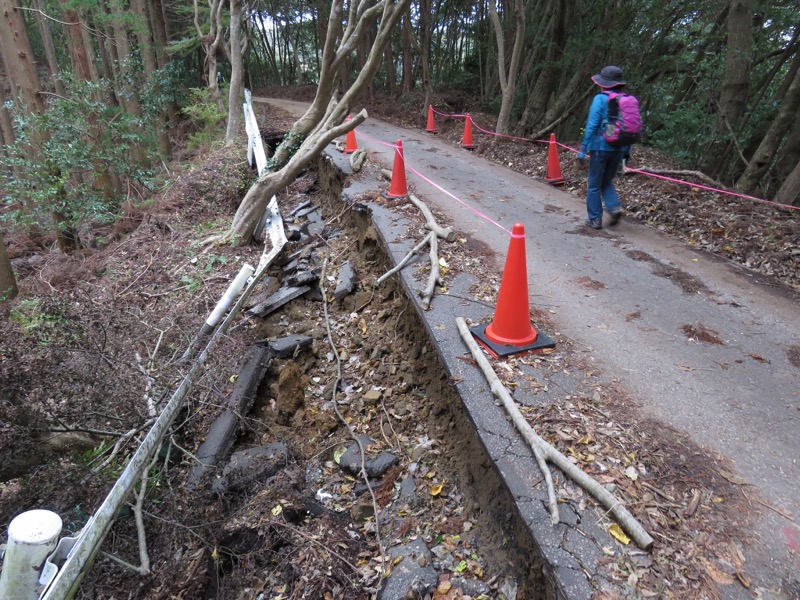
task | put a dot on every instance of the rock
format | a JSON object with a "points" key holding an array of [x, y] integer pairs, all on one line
{"points": [[351, 459], [306, 211], [408, 487], [372, 396], [376, 467], [411, 575], [303, 278], [252, 465], [471, 587], [382, 463], [362, 509], [315, 224]]}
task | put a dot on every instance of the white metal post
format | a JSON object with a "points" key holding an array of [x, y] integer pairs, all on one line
{"points": [[32, 536]]}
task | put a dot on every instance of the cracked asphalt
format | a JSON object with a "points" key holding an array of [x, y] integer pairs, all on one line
{"points": [[740, 398]]}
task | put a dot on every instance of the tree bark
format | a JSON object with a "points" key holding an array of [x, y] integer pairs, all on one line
{"points": [[125, 91], [211, 45], [236, 89], [408, 60], [767, 149], [733, 99], [18, 57], [425, 19], [543, 85], [508, 77], [49, 48], [789, 192], [20, 65], [8, 283]]}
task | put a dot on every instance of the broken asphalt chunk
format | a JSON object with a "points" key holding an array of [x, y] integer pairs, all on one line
{"points": [[278, 299], [346, 281], [252, 465], [287, 346]]}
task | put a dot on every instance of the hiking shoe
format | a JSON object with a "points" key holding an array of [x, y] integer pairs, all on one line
{"points": [[614, 217], [596, 223]]}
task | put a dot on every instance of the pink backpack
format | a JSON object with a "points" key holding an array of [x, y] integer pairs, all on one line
{"points": [[623, 124]]}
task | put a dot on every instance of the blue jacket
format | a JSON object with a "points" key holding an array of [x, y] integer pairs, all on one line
{"points": [[592, 135]]}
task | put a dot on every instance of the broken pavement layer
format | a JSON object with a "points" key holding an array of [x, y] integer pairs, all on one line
{"points": [[569, 551]]}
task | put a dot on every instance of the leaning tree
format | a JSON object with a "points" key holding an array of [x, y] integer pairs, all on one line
{"points": [[325, 118]]}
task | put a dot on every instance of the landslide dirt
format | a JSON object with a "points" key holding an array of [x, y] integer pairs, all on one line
{"points": [[93, 343]]}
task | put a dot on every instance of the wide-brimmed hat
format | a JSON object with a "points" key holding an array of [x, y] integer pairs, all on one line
{"points": [[609, 77]]}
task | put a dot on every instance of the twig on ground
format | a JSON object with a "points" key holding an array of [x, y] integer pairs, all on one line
{"points": [[436, 232]]}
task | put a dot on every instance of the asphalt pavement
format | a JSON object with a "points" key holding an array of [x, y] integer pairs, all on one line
{"points": [[739, 399]]}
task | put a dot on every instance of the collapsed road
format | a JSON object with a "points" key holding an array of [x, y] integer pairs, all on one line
{"points": [[698, 359]]}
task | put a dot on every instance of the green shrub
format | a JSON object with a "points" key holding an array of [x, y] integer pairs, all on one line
{"points": [[206, 115]]}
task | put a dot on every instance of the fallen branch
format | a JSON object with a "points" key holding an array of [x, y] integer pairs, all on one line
{"points": [[406, 259], [434, 276], [678, 173], [631, 526], [552, 503], [436, 232], [446, 233]]}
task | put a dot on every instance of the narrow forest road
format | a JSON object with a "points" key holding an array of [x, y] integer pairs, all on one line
{"points": [[731, 386]]}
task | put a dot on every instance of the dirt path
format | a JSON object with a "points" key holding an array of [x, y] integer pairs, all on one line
{"points": [[699, 344]]}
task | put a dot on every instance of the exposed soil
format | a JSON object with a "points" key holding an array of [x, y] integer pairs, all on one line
{"points": [[93, 343]]}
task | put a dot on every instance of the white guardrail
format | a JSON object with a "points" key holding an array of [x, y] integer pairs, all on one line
{"points": [[39, 566]]}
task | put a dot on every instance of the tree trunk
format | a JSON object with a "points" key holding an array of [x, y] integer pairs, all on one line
{"points": [[75, 46], [49, 48], [579, 85], [236, 90], [543, 85], [125, 91], [160, 28], [322, 122], [789, 192], [211, 43], [388, 61], [765, 154], [425, 50], [408, 60], [20, 65], [8, 283], [144, 36], [18, 57], [733, 99], [82, 71]]}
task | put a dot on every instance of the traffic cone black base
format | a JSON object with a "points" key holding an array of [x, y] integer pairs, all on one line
{"points": [[498, 351]]}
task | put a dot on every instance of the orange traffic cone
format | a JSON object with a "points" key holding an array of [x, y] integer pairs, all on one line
{"points": [[553, 176], [466, 139], [511, 331], [351, 145], [431, 128], [398, 188]]}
